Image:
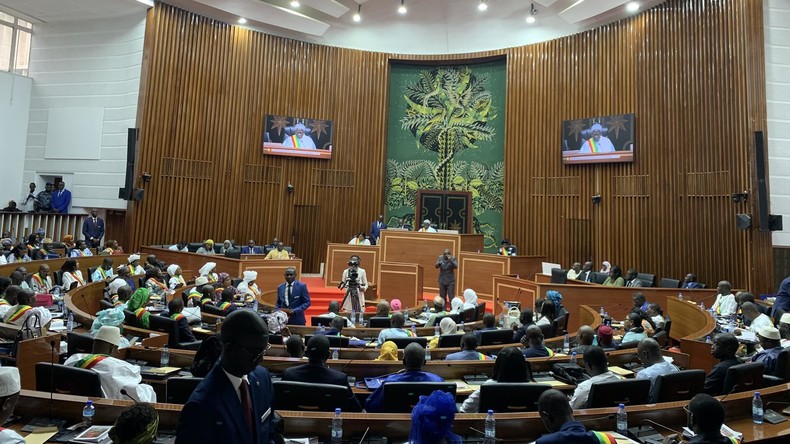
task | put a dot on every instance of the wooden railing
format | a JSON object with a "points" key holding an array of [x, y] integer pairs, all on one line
{"points": [[21, 225]]}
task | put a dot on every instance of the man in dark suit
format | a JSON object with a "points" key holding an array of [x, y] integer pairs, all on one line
{"points": [[317, 372], [93, 229], [234, 402], [447, 263], [724, 347], [251, 248], [293, 298], [375, 229], [174, 309]]}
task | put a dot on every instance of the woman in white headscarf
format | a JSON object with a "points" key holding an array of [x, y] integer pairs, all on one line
{"points": [[207, 271], [247, 287], [134, 265], [176, 280], [606, 266], [446, 327], [470, 299], [456, 305]]}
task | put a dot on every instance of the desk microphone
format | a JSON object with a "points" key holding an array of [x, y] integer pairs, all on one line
{"points": [[661, 426], [364, 435], [359, 353], [598, 418], [484, 435], [82, 295], [125, 393], [606, 309]]}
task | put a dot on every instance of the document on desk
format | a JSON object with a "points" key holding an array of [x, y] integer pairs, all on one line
{"points": [[747, 336], [39, 437]]}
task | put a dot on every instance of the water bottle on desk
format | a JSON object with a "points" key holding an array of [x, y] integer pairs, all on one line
{"points": [[490, 428], [680, 296], [566, 343], [335, 354], [413, 330], [502, 320], [70, 323], [320, 327], [573, 358], [164, 359], [353, 317], [337, 428], [707, 340], [88, 412], [602, 312], [436, 331], [757, 408], [427, 354], [462, 327], [622, 420]]}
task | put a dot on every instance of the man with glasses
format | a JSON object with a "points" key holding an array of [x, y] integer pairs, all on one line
{"points": [[293, 298], [705, 417], [234, 402]]}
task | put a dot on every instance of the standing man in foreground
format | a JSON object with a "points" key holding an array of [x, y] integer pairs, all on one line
{"points": [[447, 264], [93, 229], [293, 298], [234, 402]]}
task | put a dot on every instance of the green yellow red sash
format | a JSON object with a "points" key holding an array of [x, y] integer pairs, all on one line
{"points": [[3, 302], [140, 312], [551, 353], [20, 311], [39, 280], [482, 357], [296, 142], [605, 438], [90, 361], [224, 306], [593, 146], [177, 317], [207, 301]]}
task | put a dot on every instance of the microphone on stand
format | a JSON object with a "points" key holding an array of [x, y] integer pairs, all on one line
{"points": [[125, 393]]}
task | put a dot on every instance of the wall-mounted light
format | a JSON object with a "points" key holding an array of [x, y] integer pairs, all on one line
{"points": [[532, 13], [740, 197], [596, 199], [242, 20], [294, 4], [290, 187], [146, 177]]}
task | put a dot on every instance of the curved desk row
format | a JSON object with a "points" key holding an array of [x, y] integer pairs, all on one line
{"points": [[55, 264]]}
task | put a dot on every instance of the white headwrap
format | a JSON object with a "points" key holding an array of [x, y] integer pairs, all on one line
{"points": [[171, 269], [116, 284], [605, 266], [206, 269], [134, 257], [447, 326], [250, 275], [470, 297], [456, 304], [202, 280], [9, 381]]}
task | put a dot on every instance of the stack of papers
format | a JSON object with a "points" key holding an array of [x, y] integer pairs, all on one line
{"points": [[94, 434]]}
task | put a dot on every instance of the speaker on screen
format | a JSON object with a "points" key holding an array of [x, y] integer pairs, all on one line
{"points": [[743, 221]]}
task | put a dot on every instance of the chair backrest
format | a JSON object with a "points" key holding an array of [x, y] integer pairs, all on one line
{"points": [[561, 325], [679, 386], [401, 397], [778, 312], [236, 281], [744, 377], [468, 315], [480, 310], [58, 277], [129, 318], [667, 325], [661, 338], [91, 270], [179, 389], [598, 278], [782, 369], [194, 246], [334, 341], [67, 380], [547, 330], [233, 253], [648, 280], [290, 395], [403, 342], [496, 337], [79, 343], [669, 283], [379, 322], [510, 397], [452, 341], [613, 393], [104, 304], [454, 316], [323, 320], [164, 324]]}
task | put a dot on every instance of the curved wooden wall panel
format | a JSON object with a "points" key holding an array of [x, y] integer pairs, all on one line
{"points": [[691, 70]]}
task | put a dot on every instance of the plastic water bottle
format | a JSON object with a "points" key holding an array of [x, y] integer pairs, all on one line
{"points": [[61, 307], [502, 320], [603, 313], [731, 326], [70, 322], [425, 309], [219, 323], [490, 430], [427, 354], [622, 420], [337, 428], [335, 354], [414, 330], [462, 327], [680, 295], [164, 360], [320, 327], [757, 408], [255, 306], [566, 343], [707, 340], [573, 358], [89, 411], [353, 317], [436, 330]]}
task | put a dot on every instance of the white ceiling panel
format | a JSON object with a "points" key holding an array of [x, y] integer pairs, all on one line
{"points": [[271, 15], [330, 7]]}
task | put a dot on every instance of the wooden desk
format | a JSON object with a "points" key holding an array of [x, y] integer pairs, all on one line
{"points": [[690, 326], [337, 260], [400, 280], [476, 270], [55, 264]]}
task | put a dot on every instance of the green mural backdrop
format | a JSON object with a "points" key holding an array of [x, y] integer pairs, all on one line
{"points": [[446, 131]]}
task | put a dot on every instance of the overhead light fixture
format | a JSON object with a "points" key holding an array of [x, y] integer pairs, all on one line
{"points": [[147, 2], [294, 4], [402, 7], [483, 5], [532, 13], [242, 21], [632, 7], [358, 16]]}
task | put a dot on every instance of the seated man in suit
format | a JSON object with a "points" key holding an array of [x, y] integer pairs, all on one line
{"points": [[293, 298], [533, 341], [115, 374], [526, 318], [397, 331], [770, 341], [233, 404], [631, 279], [334, 311], [468, 350], [336, 328], [584, 339], [489, 322], [174, 309], [294, 346], [649, 353], [316, 371], [707, 417], [724, 347], [251, 248], [507, 249], [557, 416], [690, 281], [413, 361]]}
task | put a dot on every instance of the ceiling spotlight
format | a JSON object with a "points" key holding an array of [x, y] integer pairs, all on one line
{"points": [[532, 13], [483, 5], [632, 6], [242, 21], [402, 7], [357, 17], [294, 4]]}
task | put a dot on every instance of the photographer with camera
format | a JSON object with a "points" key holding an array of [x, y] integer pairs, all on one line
{"points": [[447, 263], [355, 281]]}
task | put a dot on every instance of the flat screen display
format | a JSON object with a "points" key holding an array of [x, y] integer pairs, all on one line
{"points": [[603, 139], [297, 137]]}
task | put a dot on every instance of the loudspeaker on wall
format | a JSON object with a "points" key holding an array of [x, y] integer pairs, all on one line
{"points": [[743, 221]]}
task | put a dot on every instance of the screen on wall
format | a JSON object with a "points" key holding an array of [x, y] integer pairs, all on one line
{"points": [[297, 137], [603, 139]]}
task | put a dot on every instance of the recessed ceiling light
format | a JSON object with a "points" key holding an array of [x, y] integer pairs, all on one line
{"points": [[147, 2], [531, 19], [632, 7], [242, 21], [483, 5], [402, 7], [294, 4]]}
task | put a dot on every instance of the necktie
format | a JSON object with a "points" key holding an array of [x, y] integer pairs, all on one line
{"points": [[246, 405], [288, 296]]}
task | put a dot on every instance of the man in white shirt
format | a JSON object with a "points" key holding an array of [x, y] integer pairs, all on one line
{"points": [[334, 311], [426, 227], [757, 319], [725, 304], [649, 352], [114, 373], [397, 330], [784, 330], [596, 365], [10, 385], [575, 271], [28, 201], [181, 246]]}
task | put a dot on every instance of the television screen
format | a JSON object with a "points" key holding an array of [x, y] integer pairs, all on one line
{"points": [[605, 139], [297, 137]]}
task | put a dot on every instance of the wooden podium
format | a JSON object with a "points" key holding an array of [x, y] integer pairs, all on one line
{"points": [[402, 281], [337, 260], [271, 273], [478, 270]]}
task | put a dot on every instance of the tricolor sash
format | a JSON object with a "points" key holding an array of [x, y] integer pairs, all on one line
{"points": [[40, 281], [551, 352], [207, 301], [296, 142], [77, 278], [605, 438], [482, 357], [503, 251], [158, 284], [592, 145], [90, 361], [20, 311], [3, 302], [177, 317], [140, 312], [224, 306]]}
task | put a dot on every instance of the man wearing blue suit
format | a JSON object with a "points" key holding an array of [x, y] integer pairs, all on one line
{"points": [[234, 402], [375, 230], [251, 248], [293, 298]]}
